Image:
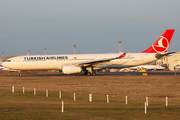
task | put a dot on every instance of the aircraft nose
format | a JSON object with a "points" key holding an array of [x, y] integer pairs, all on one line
{"points": [[4, 64]]}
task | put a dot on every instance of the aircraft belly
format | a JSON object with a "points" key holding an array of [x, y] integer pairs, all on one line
{"points": [[111, 66]]}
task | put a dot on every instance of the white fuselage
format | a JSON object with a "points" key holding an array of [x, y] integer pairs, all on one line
{"points": [[56, 62], [4, 69]]}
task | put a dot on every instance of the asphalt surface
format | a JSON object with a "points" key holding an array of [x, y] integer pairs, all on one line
{"points": [[140, 73], [106, 74]]}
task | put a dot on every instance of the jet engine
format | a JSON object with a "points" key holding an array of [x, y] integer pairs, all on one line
{"points": [[70, 69]]}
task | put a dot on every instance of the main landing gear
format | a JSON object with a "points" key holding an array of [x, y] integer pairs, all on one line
{"points": [[88, 73]]}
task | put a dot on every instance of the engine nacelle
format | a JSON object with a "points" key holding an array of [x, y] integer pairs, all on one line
{"points": [[70, 69]]}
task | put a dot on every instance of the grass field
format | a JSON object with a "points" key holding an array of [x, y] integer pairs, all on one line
{"points": [[29, 106]]}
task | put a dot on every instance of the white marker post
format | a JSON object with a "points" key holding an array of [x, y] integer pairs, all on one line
{"points": [[126, 99], [145, 108], [147, 101], [107, 98], [13, 89], [59, 94], [46, 93], [90, 97], [23, 90], [74, 96], [62, 106], [166, 101], [34, 91]]}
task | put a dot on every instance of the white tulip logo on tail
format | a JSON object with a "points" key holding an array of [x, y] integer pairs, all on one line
{"points": [[161, 45]]}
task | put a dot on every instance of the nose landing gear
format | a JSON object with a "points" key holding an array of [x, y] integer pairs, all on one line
{"points": [[20, 74]]}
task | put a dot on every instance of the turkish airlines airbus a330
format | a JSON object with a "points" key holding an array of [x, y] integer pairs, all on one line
{"points": [[76, 63]]}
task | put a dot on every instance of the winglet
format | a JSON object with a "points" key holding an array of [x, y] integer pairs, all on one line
{"points": [[122, 55]]}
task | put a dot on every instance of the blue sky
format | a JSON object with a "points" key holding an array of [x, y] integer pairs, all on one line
{"points": [[95, 26]]}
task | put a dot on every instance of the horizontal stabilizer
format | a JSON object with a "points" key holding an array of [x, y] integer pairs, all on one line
{"points": [[160, 55]]}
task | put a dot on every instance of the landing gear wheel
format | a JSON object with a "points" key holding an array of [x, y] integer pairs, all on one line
{"points": [[93, 74], [88, 73], [20, 74]]}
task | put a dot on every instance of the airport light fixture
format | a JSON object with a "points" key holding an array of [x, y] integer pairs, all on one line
{"points": [[45, 50], [2, 54], [119, 41], [28, 51], [74, 48]]}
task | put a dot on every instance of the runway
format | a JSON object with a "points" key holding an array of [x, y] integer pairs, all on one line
{"points": [[101, 74], [117, 74], [140, 73]]}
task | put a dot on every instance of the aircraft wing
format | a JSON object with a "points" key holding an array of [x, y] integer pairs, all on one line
{"points": [[160, 55], [98, 61]]}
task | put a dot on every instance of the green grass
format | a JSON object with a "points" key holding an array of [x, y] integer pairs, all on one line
{"points": [[28, 106], [18, 106]]}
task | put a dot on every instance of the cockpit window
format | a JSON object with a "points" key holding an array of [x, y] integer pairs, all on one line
{"points": [[8, 60]]}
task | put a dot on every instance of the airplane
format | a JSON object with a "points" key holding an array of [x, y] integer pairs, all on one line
{"points": [[142, 67], [88, 63], [149, 67]]}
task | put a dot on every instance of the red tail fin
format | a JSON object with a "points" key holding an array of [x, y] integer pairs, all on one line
{"points": [[162, 43]]}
